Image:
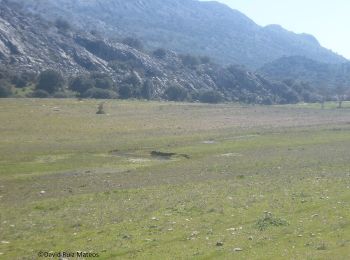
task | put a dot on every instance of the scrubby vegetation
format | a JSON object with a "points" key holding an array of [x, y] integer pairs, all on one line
{"points": [[232, 83]]}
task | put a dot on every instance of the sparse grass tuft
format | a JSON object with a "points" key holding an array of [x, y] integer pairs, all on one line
{"points": [[268, 220]]}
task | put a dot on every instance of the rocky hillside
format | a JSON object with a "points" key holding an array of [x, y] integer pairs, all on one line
{"points": [[325, 76], [30, 44], [186, 26]]}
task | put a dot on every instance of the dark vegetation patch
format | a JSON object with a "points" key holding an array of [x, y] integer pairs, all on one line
{"points": [[167, 155]]}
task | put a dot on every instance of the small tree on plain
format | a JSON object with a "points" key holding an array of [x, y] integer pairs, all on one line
{"points": [[341, 96], [100, 109]]}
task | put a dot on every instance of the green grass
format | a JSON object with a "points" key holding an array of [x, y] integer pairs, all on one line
{"points": [[271, 181]]}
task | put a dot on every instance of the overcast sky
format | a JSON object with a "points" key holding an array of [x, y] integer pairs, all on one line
{"points": [[327, 20]]}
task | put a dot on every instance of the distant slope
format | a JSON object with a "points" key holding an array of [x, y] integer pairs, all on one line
{"points": [[319, 75], [186, 26]]}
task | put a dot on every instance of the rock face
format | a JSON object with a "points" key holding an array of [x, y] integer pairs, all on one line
{"points": [[30, 43], [186, 26]]}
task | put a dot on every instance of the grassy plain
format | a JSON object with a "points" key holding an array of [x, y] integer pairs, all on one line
{"points": [[258, 182]]}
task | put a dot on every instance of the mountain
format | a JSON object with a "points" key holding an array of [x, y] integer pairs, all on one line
{"points": [[186, 26], [320, 75], [29, 44]]}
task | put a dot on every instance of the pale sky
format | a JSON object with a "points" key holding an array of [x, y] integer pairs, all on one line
{"points": [[327, 20]]}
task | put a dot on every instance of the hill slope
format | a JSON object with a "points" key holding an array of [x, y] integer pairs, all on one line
{"points": [[186, 26], [320, 75], [28, 43]]}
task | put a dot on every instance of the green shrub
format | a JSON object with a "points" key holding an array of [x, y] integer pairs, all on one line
{"points": [[50, 81], [102, 80], [126, 91], [62, 24], [131, 86], [204, 60], [148, 90], [269, 220], [133, 42], [133, 79], [5, 89], [40, 93], [19, 81], [210, 96], [176, 92], [104, 83], [159, 53], [190, 61], [100, 93], [81, 84], [100, 109], [63, 94]]}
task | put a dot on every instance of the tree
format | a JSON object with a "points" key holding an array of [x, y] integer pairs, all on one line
{"points": [[40, 93], [148, 90], [50, 81], [126, 91], [102, 80], [159, 53], [175, 92], [100, 93], [131, 86], [190, 61], [133, 79], [81, 84], [341, 96], [210, 96], [5, 89], [104, 83], [100, 109], [204, 59], [133, 42], [62, 24]]}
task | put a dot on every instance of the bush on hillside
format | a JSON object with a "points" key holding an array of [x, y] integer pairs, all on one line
{"points": [[126, 91], [102, 81], [63, 94], [99, 93], [50, 81], [5, 89], [176, 92], [148, 90], [190, 61], [81, 84], [133, 42], [159, 53], [211, 96], [40, 93], [62, 24]]}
